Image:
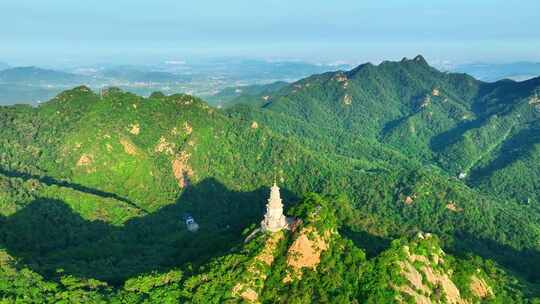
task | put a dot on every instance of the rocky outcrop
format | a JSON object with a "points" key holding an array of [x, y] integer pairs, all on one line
{"points": [[426, 283], [181, 169], [429, 278], [533, 100], [251, 285], [188, 128], [134, 129], [480, 288], [452, 206], [408, 200], [163, 146], [305, 252], [342, 78], [128, 146], [85, 160]]}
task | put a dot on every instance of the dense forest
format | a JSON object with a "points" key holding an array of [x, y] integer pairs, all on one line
{"points": [[418, 173]]}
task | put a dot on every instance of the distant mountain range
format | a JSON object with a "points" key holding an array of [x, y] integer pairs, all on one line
{"points": [[206, 78], [32, 85], [203, 78], [33, 75], [494, 72], [133, 74]]}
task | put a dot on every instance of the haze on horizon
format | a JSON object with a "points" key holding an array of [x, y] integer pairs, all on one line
{"points": [[63, 32]]}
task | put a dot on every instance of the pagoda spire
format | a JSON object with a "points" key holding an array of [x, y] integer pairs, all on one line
{"points": [[275, 198], [274, 220]]}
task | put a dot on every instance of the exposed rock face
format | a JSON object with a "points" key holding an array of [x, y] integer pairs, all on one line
{"points": [[534, 100], [85, 160], [480, 288], [181, 169], [128, 146], [163, 146], [247, 289], [246, 293], [342, 78], [188, 128], [305, 252], [416, 288], [408, 200], [135, 129], [422, 276], [453, 207]]}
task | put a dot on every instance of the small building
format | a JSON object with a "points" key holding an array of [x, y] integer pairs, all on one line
{"points": [[191, 224]]}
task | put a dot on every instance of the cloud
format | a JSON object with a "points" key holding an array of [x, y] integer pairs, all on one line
{"points": [[175, 62]]}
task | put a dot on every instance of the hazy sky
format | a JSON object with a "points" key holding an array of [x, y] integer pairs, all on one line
{"points": [[67, 31]]}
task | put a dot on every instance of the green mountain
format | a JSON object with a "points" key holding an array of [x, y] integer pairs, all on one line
{"points": [[482, 131], [312, 263], [94, 189]]}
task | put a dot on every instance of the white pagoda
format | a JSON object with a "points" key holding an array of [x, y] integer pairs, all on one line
{"points": [[274, 219]]}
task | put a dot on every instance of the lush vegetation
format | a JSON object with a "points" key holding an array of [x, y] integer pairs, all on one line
{"points": [[343, 275], [94, 188]]}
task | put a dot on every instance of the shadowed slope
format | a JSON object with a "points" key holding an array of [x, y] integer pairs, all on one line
{"points": [[48, 235]]}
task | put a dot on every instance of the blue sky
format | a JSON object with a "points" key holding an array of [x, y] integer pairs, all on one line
{"points": [[63, 31]]}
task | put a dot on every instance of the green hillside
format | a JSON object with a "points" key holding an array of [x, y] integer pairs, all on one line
{"points": [[94, 189], [462, 125], [314, 263]]}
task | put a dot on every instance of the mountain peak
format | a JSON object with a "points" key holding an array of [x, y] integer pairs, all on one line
{"points": [[420, 58]]}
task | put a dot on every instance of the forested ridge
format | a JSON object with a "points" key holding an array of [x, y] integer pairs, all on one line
{"points": [[93, 188]]}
